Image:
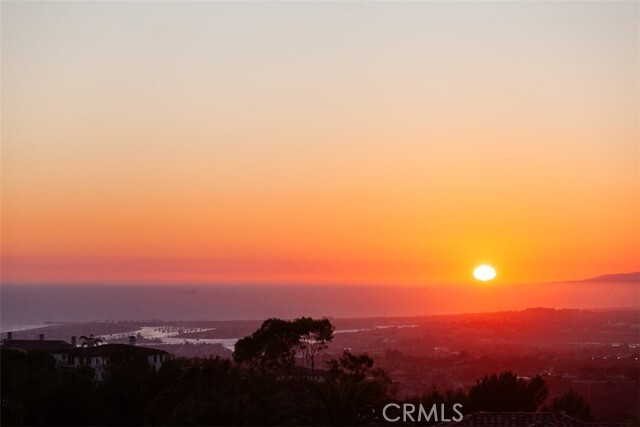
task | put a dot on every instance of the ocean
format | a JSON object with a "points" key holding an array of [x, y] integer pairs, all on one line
{"points": [[27, 306]]}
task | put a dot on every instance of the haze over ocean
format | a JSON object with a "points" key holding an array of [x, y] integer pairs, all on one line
{"points": [[33, 305]]}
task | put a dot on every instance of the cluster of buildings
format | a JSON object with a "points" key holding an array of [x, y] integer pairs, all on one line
{"points": [[86, 351]]}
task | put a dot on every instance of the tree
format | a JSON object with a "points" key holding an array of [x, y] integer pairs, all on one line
{"points": [[506, 392], [273, 347], [572, 404], [347, 403], [314, 336], [358, 368], [448, 398]]}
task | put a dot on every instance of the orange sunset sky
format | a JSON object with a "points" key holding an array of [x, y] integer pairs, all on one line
{"points": [[319, 142]]}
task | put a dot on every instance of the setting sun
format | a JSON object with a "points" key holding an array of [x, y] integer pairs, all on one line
{"points": [[484, 273]]}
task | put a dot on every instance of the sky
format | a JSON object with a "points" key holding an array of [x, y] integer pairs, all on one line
{"points": [[319, 142]]}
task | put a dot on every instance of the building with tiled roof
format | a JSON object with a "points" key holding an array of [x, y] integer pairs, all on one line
{"points": [[58, 349], [49, 346], [95, 354], [523, 419]]}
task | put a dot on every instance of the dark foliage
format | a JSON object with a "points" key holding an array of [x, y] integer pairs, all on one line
{"points": [[572, 404], [444, 400], [508, 393], [273, 347], [254, 391], [211, 392], [34, 393], [358, 368], [348, 395]]}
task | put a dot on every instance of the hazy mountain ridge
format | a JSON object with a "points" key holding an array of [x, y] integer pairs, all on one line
{"points": [[633, 277]]}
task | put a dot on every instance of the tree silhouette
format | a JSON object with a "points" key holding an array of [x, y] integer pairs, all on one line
{"points": [[347, 403], [506, 392], [572, 404], [447, 398], [328, 403], [314, 336], [273, 347], [356, 367]]}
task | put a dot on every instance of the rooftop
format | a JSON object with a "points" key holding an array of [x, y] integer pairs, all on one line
{"points": [[523, 419], [51, 346]]}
